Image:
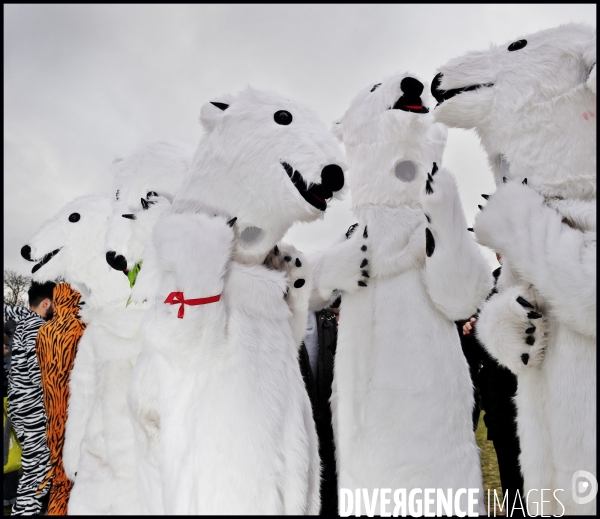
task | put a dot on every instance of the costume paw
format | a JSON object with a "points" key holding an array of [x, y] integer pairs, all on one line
{"points": [[357, 265], [513, 330], [286, 258], [507, 214]]}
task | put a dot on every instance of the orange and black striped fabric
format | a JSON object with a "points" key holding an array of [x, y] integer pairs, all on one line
{"points": [[56, 347]]}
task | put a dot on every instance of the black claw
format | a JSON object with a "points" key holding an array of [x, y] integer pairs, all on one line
{"points": [[288, 258], [428, 219], [429, 242], [480, 208], [524, 302], [534, 315], [351, 230], [362, 284], [470, 229], [287, 289], [428, 189], [276, 250], [298, 262], [364, 263], [434, 170], [145, 204], [531, 329], [524, 182], [299, 283], [525, 358], [365, 234], [504, 180], [232, 221], [430, 178], [365, 274], [487, 197], [530, 340], [363, 248]]}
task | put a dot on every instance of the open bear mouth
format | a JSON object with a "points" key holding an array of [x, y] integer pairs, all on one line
{"points": [[410, 104], [443, 95], [44, 260], [316, 196]]}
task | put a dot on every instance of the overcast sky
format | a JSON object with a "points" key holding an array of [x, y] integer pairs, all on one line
{"points": [[84, 84]]}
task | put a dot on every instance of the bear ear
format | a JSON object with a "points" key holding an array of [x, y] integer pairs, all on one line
{"points": [[338, 129], [589, 57], [213, 111]]}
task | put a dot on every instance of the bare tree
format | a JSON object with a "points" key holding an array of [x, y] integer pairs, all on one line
{"points": [[15, 288]]}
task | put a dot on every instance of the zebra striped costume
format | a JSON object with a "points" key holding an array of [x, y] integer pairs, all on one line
{"points": [[26, 411]]}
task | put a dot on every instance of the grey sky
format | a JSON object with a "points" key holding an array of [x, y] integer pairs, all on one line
{"points": [[84, 84]]}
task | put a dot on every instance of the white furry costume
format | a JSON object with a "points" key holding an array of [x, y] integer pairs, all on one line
{"points": [[71, 246], [144, 186], [229, 427], [533, 104], [402, 397]]}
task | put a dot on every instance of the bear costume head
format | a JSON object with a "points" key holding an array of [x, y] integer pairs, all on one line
{"points": [[267, 160], [532, 102], [144, 186], [391, 142], [70, 245]]}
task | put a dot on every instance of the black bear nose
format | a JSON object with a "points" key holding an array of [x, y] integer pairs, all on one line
{"points": [[117, 262], [411, 86], [26, 252], [332, 177], [436, 91]]}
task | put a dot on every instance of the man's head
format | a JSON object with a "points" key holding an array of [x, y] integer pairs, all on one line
{"points": [[40, 299]]}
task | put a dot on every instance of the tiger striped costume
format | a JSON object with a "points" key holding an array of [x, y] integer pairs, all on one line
{"points": [[26, 411], [56, 347]]}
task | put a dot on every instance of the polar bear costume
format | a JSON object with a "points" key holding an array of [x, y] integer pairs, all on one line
{"points": [[402, 396], [533, 104], [71, 245], [234, 431], [144, 186]]}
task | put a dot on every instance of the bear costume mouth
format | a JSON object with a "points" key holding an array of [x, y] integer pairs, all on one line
{"points": [[443, 95], [317, 195], [44, 260], [408, 104]]}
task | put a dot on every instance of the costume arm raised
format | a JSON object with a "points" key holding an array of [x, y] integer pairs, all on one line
{"points": [[340, 268], [457, 275], [82, 384], [558, 260]]}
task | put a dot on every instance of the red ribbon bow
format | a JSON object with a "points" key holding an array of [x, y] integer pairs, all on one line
{"points": [[176, 298]]}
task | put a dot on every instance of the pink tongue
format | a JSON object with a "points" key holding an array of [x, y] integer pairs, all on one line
{"points": [[414, 107]]}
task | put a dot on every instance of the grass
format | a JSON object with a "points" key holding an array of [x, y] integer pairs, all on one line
{"points": [[489, 466]]}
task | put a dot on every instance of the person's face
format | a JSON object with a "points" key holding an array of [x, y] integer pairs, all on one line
{"points": [[45, 309]]}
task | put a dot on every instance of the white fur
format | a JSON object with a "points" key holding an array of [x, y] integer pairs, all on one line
{"points": [[81, 258], [538, 122], [238, 167], [400, 371], [229, 418], [539, 112], [158, 167], [98, 440]]}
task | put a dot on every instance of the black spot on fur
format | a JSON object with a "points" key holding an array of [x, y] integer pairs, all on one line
{"points": [[429, 242]]}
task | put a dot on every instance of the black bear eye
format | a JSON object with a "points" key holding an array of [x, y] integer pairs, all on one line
{"points": [[74, 217], [375, 87], [117, 194], [283, 117], [151, 193], [517, 45]]}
